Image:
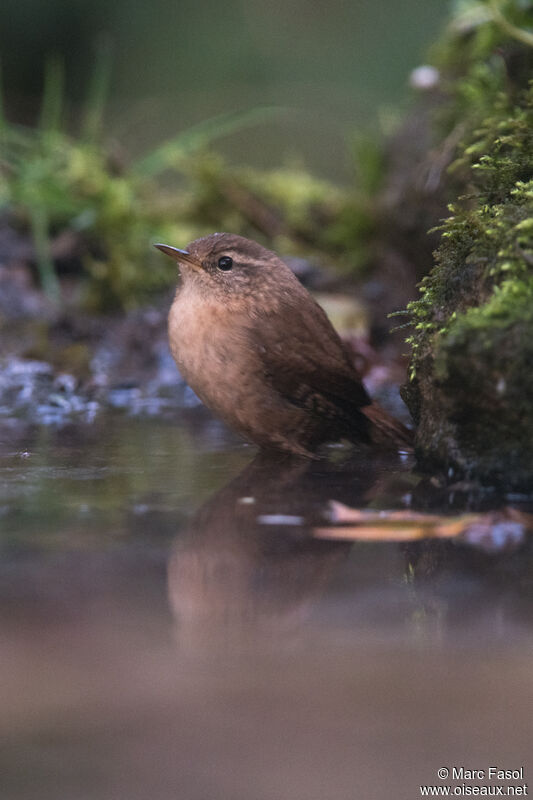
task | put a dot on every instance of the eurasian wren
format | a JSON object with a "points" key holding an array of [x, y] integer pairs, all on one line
{"points": [[261, 353]]}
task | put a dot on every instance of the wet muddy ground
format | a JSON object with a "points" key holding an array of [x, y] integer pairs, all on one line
{"points": [[173, 627]]}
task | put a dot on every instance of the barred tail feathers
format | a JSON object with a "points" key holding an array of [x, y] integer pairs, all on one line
{"points": [[387, 431]]}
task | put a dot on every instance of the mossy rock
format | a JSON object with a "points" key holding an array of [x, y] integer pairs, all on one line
{"points": [[473, 393], [471, 373]]}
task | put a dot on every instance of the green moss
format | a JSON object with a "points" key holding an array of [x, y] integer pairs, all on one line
{"points": [[489, 235], [470, 373]]}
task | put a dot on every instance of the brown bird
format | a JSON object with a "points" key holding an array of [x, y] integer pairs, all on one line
{"points": [[261, 353]]}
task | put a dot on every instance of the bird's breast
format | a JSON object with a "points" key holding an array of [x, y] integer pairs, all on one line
{"points": [[210, 349]]}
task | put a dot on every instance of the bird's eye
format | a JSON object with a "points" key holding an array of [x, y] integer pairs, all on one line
{"points": [[225, 263]]}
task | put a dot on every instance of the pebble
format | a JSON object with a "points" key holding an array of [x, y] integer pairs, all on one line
{"points": [[32, 391]]}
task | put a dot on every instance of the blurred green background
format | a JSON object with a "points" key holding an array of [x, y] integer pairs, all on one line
{"points": [[331, 66]]}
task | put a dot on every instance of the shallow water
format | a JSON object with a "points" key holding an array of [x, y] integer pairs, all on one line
{"points": [[171, 627]]}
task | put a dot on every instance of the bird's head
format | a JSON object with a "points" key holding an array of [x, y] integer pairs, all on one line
{"points": [[225, 265]]}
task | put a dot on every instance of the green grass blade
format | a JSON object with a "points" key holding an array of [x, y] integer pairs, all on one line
{"points": [[98, 91], [41, 242], [3, 122], [170, 153], [53, 91], [519, 34]]}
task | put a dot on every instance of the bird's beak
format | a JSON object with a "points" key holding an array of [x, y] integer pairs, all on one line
{"points": [[181, 256]]}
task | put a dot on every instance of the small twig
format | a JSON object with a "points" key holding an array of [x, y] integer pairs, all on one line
{"points": [[527, 255], [253, 209], [443, 158]]}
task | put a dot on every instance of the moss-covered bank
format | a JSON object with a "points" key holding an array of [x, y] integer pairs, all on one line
{"points": [[471, 373]]}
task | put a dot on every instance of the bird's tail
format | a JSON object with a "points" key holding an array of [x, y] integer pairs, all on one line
{"points": [[387, 431]]}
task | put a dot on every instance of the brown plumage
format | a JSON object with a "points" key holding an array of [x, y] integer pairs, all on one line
{"points": [[261, 353]]}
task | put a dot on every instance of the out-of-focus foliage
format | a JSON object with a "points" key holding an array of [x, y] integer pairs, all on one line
{"points": [[75, 194]]}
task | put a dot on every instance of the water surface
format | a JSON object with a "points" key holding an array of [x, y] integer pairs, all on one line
{"points": [[171, 627]]}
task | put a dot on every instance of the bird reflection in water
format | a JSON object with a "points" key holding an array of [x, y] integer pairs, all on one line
{"points": [[248, 562], [258, 557]]}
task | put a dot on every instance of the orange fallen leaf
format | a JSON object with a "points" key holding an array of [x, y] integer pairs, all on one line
{"points": [[405, 526]]}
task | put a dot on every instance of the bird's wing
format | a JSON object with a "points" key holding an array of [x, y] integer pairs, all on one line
{"points": [[305, 361]]}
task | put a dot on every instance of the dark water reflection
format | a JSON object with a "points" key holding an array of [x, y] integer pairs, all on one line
{"points": [[171, 628]]}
